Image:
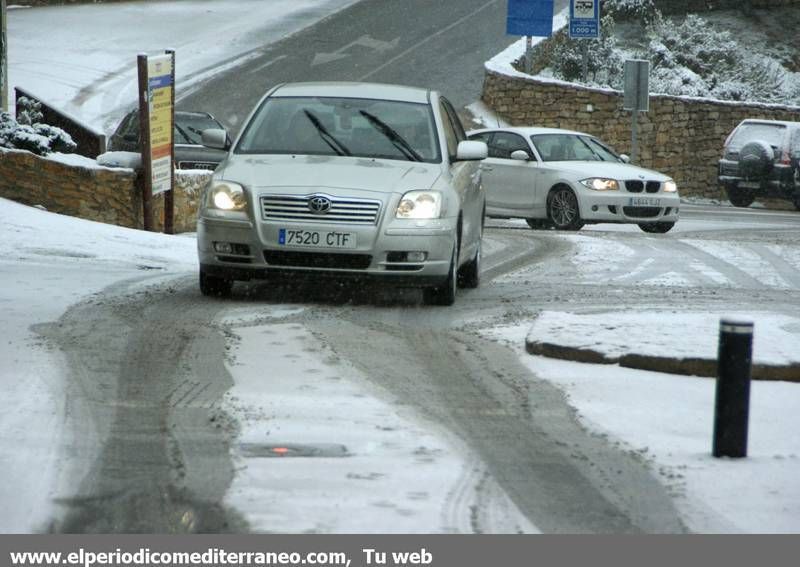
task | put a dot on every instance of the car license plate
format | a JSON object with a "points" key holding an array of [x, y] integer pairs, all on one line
{"points": [[645, 202], [316, 238], [750, 185]]}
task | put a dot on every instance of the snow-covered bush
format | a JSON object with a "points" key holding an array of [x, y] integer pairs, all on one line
{"points": [[39, 139], [688, 57], [29, 111], [604, 62], [692, 58], [642, 10]]}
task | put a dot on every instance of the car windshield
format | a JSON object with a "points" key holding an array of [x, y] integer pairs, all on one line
{"points": [[189, 127], [571, 147], [773, 134], [342, 126]]}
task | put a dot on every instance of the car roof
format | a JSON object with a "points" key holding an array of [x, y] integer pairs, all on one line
{"points": [[786, 123], [526, 131], [355, 90]]}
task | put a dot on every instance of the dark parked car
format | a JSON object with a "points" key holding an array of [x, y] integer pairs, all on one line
{"points": [[189, 151], [762, 159]]}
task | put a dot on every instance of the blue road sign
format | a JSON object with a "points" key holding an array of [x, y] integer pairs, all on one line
{"points": [[584, 19], [530, 17]]}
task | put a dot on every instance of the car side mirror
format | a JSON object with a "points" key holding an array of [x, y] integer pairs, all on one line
{"points": [[216, 138], [625, 158], [471, 151], [520, 155]]}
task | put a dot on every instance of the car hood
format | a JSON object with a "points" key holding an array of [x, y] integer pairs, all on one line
{"points": [[313, 173], [620, 171]]}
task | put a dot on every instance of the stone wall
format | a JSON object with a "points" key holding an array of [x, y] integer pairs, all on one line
{"points": [[98, 194], [94, 193], [681, 137]]}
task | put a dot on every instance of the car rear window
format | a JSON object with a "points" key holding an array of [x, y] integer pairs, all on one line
{"points": [[773, 134]]}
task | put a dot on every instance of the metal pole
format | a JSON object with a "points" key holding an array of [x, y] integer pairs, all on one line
{"points": [[169, 196], [528, 54], [732, 403], [144, 136], [634, 133], [3, 58], [585, 61]]}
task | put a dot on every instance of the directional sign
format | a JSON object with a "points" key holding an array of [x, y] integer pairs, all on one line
{"points": [[159, 90], [584, 19], [530, 18]]}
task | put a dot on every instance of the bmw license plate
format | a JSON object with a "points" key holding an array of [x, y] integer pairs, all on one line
{"points": [[645, 202], [316, 238]]}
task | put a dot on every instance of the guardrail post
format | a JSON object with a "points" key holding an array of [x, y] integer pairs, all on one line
{"points": [[732, 403]]}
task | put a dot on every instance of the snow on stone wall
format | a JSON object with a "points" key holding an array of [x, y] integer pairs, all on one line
{"points": [[680, 136], [91, 192]]}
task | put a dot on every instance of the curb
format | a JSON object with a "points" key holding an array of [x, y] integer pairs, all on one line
{"points": [[703, 367]]}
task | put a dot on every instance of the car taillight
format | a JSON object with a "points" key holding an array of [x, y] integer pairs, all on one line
{"points": [[785, 159]]}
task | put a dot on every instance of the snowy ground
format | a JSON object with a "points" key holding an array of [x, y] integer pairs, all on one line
{"points": [[47, 263], [388, 473], [51, 261], [65, 55], [668, 420]]}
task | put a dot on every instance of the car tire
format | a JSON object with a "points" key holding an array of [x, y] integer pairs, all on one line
{"points": [[562, 209], [469, 276], [444, 294], [538, 224], [796, 202], [740, 197], [656, 227], [214, 286]]}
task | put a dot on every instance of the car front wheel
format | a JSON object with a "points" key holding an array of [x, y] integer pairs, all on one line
{"points": [[562, 209], [656, 227], [444, 294], [470, 275], [214, 286]]}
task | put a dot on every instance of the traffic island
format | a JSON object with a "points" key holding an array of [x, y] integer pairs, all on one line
{"points": [[673, 343]]}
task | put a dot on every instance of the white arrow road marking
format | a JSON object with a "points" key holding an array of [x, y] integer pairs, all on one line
{"points": [[363, 41]]}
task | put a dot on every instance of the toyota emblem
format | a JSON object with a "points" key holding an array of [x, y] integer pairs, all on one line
{"points": [[319, 204]]}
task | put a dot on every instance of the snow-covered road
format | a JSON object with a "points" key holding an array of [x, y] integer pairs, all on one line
{"points": [[409, 413]]}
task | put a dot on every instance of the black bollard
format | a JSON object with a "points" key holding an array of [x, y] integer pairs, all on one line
{"points": [[732, 405]]}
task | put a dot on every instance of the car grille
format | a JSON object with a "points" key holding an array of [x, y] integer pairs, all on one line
{"points": [[296, 208], [641, 212], [323, 260], [197, 165], [636, 186]]}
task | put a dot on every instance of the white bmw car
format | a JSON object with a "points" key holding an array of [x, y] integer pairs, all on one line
{"points": [[565, 179]]}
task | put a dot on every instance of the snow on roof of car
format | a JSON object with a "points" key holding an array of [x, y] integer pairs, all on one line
{"points": [[355, 90], [528, 130]]}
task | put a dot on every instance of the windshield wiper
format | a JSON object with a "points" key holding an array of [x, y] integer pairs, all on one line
{"points": [[396, 139], [326, 136], [183, 133]]}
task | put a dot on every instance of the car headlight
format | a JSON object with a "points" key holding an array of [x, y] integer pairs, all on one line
{"points": [[420, 205], [670, 186], [227, 196], [601, 184]]}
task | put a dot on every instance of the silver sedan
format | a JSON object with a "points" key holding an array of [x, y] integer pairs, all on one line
{"points": [[346, 179], [561, 178]]}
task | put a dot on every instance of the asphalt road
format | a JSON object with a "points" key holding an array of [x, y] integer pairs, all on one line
{"points": [[152, 448], [440, 45]]}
